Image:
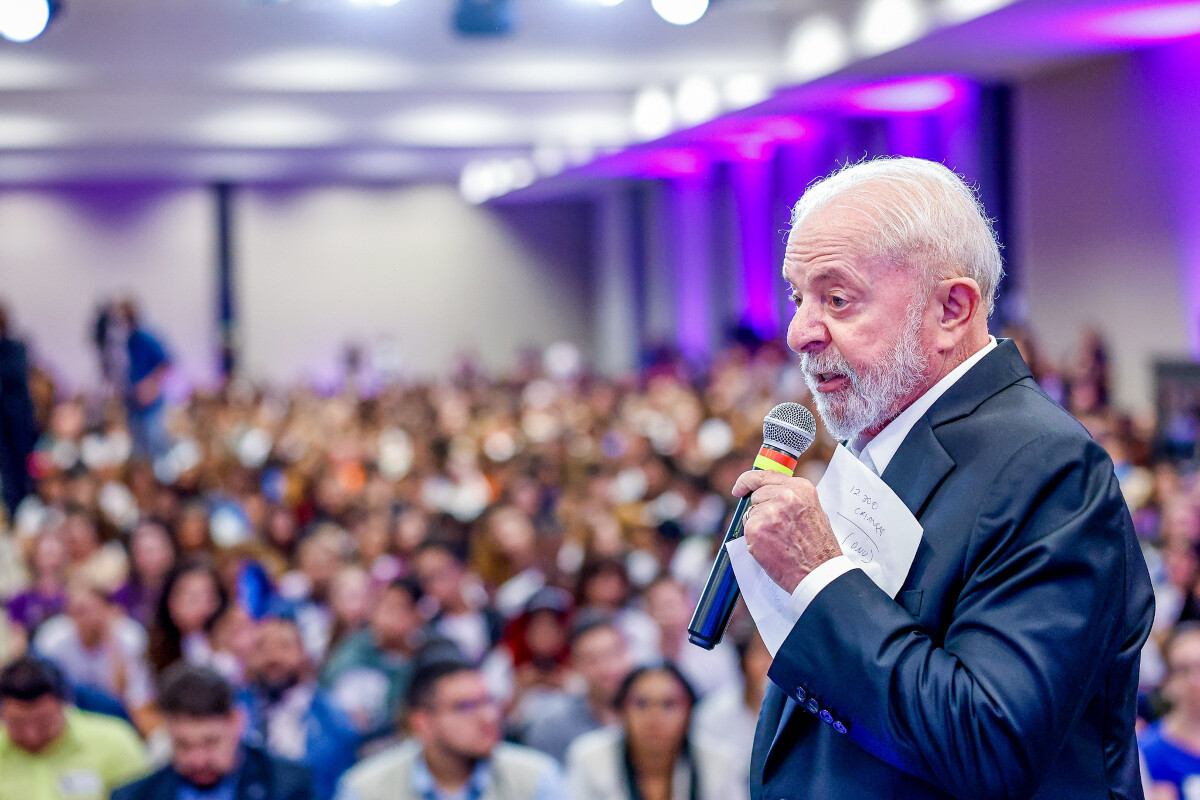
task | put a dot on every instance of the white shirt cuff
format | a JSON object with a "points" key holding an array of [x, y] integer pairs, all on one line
{"points": [[808, 589]]}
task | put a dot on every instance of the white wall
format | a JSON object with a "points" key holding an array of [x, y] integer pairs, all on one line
{"points": [[1096, 241], [319, 267], [64, 249]]}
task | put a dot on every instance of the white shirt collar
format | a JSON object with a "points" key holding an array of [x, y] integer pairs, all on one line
{"points": [[883, 447]]}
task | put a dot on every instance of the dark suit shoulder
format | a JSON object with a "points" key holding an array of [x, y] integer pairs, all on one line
{"points": [[151, 786], [268, 777], [1013, 419]]}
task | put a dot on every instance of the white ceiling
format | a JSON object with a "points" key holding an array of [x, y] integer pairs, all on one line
{"points": [[250, 90]]}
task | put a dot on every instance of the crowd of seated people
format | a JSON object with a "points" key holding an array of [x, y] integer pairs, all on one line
{"points": [[432, 588]]}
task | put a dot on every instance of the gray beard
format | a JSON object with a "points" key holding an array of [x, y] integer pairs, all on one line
{"points": [[873, 397]]}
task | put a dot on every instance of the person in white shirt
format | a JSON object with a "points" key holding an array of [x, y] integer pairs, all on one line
{"points": [[669, 605], [725, 720], [97, 646], [650, 755]]}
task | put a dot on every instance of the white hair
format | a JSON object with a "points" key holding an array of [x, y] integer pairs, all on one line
{"points": [[926, 217]]}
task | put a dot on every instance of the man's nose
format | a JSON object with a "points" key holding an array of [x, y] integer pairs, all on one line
{"points": [[807, 332]]}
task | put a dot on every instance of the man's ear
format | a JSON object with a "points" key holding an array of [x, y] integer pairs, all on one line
{"points": [[418, 722], [958, 303]]}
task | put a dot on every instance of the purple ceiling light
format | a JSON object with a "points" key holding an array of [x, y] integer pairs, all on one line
{"points": [[905, 96], [1143, 23]]}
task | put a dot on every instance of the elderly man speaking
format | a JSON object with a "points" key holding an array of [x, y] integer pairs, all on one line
{"points": [[1006, 666]]}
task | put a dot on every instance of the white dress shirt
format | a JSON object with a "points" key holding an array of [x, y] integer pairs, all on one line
{"points": [[877, 454]]}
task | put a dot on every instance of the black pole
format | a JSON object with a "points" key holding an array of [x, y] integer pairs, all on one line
{"points": [[996, 190], [226, 305]]}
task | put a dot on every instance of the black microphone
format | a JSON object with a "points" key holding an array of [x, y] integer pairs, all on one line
{"points": [[787, 432]]}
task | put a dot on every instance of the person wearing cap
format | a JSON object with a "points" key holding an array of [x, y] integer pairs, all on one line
{"points": [[456, 752], [50, 750]]}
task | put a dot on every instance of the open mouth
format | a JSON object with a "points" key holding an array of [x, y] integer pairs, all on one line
{"points": [[831, 381]]}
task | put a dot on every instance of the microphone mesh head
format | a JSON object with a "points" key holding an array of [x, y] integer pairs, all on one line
{"points": [[790, 427]]}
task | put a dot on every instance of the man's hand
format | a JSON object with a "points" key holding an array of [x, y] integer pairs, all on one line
{"points": [[786, 529]]}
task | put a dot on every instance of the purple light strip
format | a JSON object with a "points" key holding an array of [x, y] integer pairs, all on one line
{"points": [[760, 286]]}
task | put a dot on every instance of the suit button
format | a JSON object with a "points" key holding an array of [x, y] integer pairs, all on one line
{"points": [[839, 727], [813, 706], [801, 695], [826, 717]]}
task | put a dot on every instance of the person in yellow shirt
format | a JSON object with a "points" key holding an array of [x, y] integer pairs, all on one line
{"points": [[50, 750]]}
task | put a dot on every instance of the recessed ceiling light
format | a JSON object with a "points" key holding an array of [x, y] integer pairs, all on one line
{"points": [[680, 12], [25, 20], [585, 126], [18, 132], [652, 113], [884, 25], [697, 99], [269, 127], [816, 47], [455, 126], [747, 89], [321, 70], [963, 10]]}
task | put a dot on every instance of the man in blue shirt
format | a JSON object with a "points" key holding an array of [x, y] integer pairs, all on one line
{"points": [[455, 752], [208, 759], [288, 714], [1171, 746], [147, 362]]}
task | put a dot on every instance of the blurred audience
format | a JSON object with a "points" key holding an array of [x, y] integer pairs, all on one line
{"points": [[554, 525], [192, 600], [1171, 746], [209, 760], [456, 749], [460, 610], [726, 719], [369, 673], [671, 609], [600, 657], [99, 648], [51, 750], [288, 714], [651, 755]]}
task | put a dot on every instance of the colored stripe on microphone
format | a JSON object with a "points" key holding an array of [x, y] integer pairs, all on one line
{"points": [[776, 461]]}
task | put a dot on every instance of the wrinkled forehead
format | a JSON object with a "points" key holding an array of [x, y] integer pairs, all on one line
{"points": [[836, 238]]}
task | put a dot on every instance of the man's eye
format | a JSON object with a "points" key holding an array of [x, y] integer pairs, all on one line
{"points": [[838, 302], [794, 298]]}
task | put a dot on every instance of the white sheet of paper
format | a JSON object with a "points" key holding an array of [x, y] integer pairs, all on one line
{"points": [[769, 603], [875, 529]]}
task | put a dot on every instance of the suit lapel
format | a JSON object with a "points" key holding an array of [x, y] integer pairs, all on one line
{"points": [[918, 468], [921, 463]]}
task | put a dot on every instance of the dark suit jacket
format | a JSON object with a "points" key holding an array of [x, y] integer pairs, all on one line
{"points": [[263, 777], [1007, 665]]}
